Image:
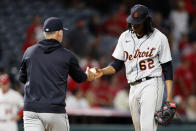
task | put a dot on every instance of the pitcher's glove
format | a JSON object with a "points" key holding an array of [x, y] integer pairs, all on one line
{"points": [[166, 113]]}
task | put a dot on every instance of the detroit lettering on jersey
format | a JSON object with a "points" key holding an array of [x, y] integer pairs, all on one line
{"points": [[142, 57], [138, 54]]}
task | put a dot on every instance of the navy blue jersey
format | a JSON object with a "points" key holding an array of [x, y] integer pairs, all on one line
{"points": [[44, 71]]}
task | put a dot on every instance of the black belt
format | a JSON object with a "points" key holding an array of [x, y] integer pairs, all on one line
{"points": [[141, 80]]}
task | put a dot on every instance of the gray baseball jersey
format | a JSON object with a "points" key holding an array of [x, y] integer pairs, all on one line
{"points": [[142, 57]]}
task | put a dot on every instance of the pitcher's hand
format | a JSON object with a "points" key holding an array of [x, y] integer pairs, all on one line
{"points": [[99, 73]]}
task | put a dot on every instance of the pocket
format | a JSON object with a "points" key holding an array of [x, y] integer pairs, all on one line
{"points": [[28, 115], [66, 116]]}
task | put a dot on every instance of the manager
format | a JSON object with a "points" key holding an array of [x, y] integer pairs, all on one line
{"points": [[44, 71]]}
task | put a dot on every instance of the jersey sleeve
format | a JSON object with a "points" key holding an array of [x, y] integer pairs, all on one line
{"points": [[119, 52], [164, 51]]}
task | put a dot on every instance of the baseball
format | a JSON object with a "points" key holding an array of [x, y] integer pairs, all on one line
{"points": [[93, 70]]}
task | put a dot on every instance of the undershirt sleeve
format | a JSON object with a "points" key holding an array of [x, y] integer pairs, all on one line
{"points": [[167, 70], [117, 65]]}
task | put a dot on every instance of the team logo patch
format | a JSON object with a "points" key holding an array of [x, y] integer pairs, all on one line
{"points": [[135, 15]]}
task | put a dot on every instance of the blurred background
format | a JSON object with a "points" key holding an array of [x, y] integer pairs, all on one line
{"points": [[94, 27]]}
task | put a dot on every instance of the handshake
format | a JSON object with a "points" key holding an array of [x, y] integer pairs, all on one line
{"points": [[93, 73]]}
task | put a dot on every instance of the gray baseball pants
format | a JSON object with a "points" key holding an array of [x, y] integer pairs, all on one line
{"points": [[144, 100], [45, 121]]}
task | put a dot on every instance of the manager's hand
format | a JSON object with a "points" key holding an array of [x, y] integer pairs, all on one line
{"points": [[90, 74], [93, 73]]}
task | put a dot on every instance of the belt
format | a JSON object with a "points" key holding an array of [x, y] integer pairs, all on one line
{"points": [[141, 80]]}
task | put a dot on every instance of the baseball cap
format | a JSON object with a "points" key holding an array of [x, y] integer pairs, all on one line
{"points": [[4, 79], [138, 14], [53, 24]]}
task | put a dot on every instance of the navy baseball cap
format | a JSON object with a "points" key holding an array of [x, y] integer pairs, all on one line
{"points": [[138, 14], [53, 24]]}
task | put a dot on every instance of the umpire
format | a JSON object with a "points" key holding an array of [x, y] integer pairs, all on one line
{"points": [[44, 71]]}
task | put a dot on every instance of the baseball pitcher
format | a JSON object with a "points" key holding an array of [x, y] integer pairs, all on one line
{"points": [[145, 52]]}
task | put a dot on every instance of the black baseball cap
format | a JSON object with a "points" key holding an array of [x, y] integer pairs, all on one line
{"points": [[53, 24], [138, 14]]}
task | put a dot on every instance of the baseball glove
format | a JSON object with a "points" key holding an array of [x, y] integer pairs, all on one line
{"points": [[166, 113]]}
